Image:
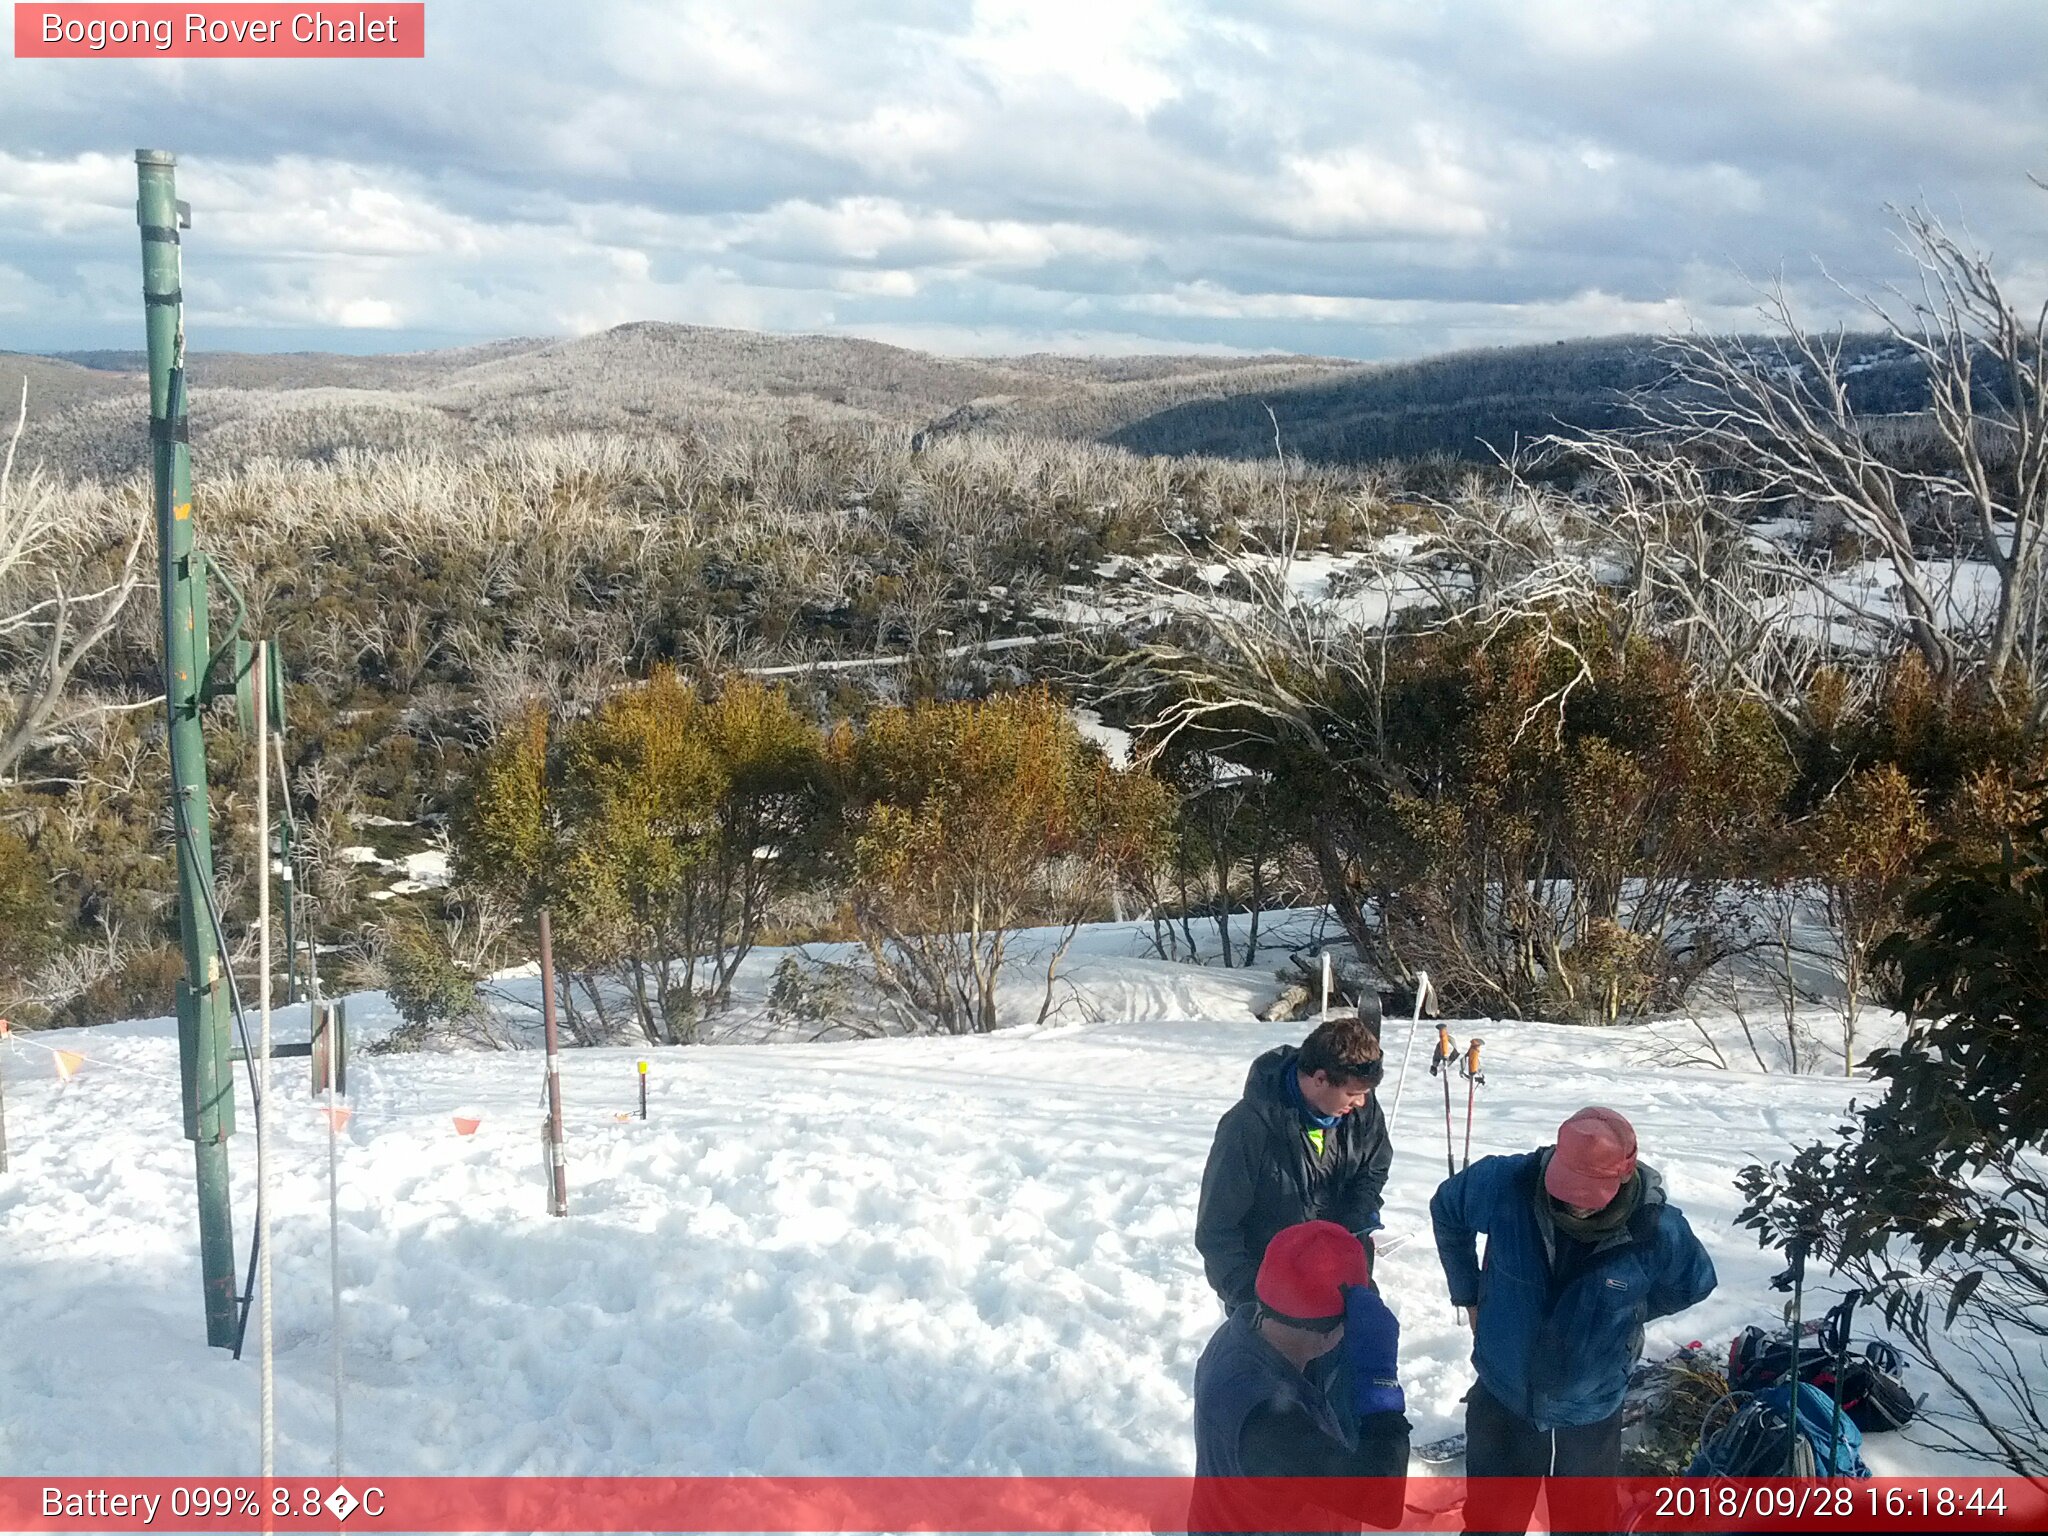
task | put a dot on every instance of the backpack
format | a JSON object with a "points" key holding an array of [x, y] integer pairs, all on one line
{"points": [[1753, 1443], [1873, 1398]]}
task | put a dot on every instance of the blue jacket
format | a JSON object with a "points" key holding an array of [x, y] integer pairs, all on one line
{"points": [[1242, 1380], [1560, 1324], [1239, 1373]]}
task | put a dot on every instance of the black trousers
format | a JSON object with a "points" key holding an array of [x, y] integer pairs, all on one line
{"points": [[1499, 1443]]}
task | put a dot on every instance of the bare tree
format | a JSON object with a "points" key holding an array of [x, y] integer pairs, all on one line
{"points": [[1748, 425], [48, 628], [1682, 563]]}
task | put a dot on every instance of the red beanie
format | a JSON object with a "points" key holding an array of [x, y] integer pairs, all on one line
{"points": [[1306, 1268], [1595, 1156]]}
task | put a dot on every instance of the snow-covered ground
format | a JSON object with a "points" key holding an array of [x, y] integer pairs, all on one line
{"points": [[1353, 591], [890, 1256], [1854, 607]]}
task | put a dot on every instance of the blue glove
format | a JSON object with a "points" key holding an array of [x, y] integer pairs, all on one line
{"points": [[1372, 1347]]}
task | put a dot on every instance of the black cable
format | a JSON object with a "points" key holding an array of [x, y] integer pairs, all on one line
{"points": [[174, 411], [205, 883]]}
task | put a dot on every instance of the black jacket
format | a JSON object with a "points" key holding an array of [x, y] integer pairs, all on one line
{"points": [[1263, 1175]]}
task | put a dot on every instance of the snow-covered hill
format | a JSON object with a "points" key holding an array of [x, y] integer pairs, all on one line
{"points": [[891, 1256]]}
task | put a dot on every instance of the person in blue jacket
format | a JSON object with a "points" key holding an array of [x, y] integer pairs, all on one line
{"points": [[1268, 1405], [1582, 1249]]}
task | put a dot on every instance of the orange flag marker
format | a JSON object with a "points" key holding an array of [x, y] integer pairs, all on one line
{"points": [[337, 1116], [68, 1062], [464, 1126]]}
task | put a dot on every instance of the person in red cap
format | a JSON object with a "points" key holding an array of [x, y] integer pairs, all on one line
{"points": [[1268, 1405], [1582, 1250]]}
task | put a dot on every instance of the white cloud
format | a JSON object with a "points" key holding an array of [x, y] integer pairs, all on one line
{"points": [[872, 229], [1361, 192], [366, 315], [22, 295], [878, 285], [1354, 176], [1013, 341], [1122, 51]]}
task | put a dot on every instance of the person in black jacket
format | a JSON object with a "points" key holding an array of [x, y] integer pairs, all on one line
{"points": [[1307, 1142], [1267, 1406]]}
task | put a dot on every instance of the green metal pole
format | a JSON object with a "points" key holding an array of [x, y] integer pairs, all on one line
{"points": [[202, 996]]}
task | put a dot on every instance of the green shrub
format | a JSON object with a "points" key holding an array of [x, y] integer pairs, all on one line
{"points": [[425, 984]]}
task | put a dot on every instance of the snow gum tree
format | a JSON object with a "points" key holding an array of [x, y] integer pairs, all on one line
{"points": [[1229, 840], [662, 828], [1948, 504], [1863, 846], [639, 790], [691, 818], [1561, 844], [969, 822], [505, 839], [58, 601], [1546, 817]]}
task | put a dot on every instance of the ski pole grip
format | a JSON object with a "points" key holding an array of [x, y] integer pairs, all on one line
{"points": [[1472, 1057]]}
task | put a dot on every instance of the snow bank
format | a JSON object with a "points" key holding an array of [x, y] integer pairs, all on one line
{"points": [[893, 1256]]}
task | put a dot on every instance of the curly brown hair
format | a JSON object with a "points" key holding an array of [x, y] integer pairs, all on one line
{"points": [[1345, 1049]]}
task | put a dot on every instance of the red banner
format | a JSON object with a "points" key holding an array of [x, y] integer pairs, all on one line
{"points": [[359, 31], [982, 1504]]}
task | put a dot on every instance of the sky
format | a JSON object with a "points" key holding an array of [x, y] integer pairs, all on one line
{"points": [[1356, 178]]}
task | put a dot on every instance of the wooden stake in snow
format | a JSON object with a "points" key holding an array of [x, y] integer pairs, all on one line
{"points": [[558, 1163], [5, 1030], [262, 1096], [337, 1117]]}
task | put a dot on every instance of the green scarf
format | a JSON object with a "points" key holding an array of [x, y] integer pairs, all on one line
{"points": [[1606, 1221]]}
